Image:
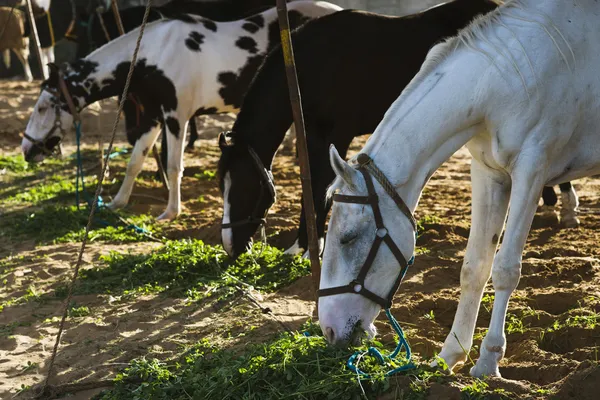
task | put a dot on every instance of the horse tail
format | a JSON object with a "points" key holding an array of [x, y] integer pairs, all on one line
{"points": [[6, 58]]}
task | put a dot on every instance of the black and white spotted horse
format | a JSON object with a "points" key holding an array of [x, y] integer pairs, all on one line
{"points": [[347, 82], [94, 29], [184, 65]]}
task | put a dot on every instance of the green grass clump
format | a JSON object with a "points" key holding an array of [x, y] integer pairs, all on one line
{"points": [[291, 366], [81, 311], [192, 269], [54, 187], [62, 224], [15, 164], [427, 220]]}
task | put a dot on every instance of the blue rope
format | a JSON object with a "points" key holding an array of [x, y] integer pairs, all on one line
{"points": [[79, 175], [88, 199], [352, 363]]}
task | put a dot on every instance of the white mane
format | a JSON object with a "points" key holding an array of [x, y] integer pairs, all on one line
{"points": [[481, 30], [478, 31]]}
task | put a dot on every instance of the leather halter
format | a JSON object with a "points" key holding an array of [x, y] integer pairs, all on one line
{"points": [[368, 169], [266, 185], [41, 143]]}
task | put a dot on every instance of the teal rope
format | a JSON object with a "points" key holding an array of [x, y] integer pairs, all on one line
{"points": [[79, 177], [352, 363]]}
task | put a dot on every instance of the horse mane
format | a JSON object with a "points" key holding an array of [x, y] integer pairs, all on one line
{"points": [[477, 31], [229, 153]]}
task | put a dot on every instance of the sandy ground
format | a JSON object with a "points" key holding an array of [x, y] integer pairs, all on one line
{"points": [[561, 277]]}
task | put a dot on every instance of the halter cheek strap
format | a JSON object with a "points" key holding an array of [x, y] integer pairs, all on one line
{"points": [[266, 185], [62, 87], [367, 168]]}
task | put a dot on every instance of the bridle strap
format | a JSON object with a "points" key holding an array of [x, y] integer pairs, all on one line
{"points": [[62, 87], [266, 181], [357, 286], [367, 162], [68, 98]]}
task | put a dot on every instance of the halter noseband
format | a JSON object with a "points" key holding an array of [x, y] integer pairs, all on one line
{"points": [[368, 169], [266, 182], [41, 143]]}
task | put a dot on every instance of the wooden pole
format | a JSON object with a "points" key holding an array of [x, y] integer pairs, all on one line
{"points": [[296, 102], [36, 39], [117, 15]]}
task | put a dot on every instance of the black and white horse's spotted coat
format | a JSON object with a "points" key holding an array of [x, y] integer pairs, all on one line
{"points": [[184, 65]]}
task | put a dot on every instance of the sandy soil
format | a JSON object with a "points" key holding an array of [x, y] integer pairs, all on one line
{"points": [[561, 277]]}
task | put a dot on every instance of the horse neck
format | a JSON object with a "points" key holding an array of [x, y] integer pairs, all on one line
{"points": [[98, 76], [439, 112], [266, 113]]}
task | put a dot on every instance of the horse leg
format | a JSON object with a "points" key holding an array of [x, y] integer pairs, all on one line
{"points": [[23, 55], [490, 201], [193, 134], [45, 60], [138, 155], [569, 205], [528, 180], [175, 130], [164, 154], [288, 140], [549, 196]]}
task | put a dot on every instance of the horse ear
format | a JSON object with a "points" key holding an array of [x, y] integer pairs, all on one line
{"points": [[341, 167], [53, 79]]}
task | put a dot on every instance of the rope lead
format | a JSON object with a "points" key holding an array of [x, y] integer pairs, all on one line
{"points": [[391, 359]]}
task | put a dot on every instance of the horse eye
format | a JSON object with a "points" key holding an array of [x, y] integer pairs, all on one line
{"points": [[347, 239], [42, 109]]}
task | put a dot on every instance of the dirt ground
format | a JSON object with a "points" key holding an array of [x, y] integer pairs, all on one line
{"points": [[554, 332]]}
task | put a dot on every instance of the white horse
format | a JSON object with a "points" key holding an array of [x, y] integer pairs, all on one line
{"points": [[520, 87]]}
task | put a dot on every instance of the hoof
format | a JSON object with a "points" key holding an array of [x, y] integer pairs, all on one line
{"points": [[295, 249], [481, 370], [451, 358], [167, 216], [545, 218], [116, 204], [570, 222]]}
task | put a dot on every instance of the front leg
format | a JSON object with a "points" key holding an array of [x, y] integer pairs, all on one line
{"points": [[528, 181], [193, 134], [138, 155], [23, 55], [490, 201], [175, 129]]}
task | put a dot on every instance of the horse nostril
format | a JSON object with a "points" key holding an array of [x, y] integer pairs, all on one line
{"points": [[330, 335]]}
